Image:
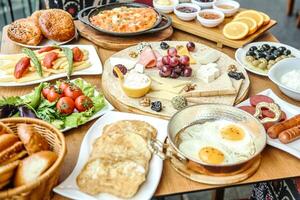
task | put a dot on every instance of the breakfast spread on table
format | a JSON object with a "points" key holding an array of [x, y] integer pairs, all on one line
{"points": [[24, 155], [192, 85], [53, 24]]}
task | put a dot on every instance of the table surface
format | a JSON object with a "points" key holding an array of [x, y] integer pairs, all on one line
{"points": [[275, 164]]}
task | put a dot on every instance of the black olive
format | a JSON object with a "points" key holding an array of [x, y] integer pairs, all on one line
{"points": [[260, 55], [156, 106], [287, 52], [268, 57], [277, 53], [164, 45], [236, 75], [253, 48], [266, 46], [261, 49], [272, 57], [273, 48], [282, 49], [250, 53]]}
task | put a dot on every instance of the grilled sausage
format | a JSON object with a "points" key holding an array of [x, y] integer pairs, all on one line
{"points": [[290, 135], [275, 130], [22, 67], [49, 59]]}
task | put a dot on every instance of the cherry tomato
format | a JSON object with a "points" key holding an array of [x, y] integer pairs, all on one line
{"points": [[65, 105], [46, 91], [54, 95], [83, 103], [77, 54], [73, 92], [63, 85]]}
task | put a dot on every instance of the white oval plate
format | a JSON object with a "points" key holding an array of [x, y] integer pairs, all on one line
{"points": [[46, 42], [292, 148], [94, 69], [69, 188], [240, 55]]}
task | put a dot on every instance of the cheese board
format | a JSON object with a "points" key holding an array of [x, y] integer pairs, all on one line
{"points": [[197, 87], [216, 33]]}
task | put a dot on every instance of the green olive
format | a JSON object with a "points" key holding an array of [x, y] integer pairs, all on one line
{"points": [[255, 63], [272, 62], [250, 58], [263, 60], [278, 59], [269, 66], [262, 65]]}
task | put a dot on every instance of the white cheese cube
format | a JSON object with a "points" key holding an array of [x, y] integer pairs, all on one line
{"points": [[139, 68], [205, 75]]}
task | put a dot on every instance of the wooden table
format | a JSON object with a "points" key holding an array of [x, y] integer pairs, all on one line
{"points": [[275, 164]]}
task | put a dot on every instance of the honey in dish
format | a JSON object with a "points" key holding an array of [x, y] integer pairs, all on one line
{"points": [[226, 7], [211, 155], [232, 132]]}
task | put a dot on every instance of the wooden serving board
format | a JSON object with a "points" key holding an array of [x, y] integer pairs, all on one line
{"points": [[245, 172], [118, 43], [215, 34]]}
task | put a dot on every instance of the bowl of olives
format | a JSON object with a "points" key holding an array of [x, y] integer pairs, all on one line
{"points": [[204, 3], [259, 57]]}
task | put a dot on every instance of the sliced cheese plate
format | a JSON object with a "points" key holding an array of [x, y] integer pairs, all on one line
{"points": [[292, 148], [69, 188], [94, 69], [219, 89]]}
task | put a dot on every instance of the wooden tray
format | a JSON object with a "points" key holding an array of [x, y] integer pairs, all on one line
{"points": [[245, 172], [215, 34], [118, 43]]}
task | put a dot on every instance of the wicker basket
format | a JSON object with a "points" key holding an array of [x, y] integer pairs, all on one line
{"points": [[41, 188]]}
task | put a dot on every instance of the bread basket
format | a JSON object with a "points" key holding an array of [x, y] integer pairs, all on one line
{"points": [[40, 188]]}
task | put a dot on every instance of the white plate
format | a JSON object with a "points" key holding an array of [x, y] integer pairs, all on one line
{"points": [[94, 69], [46, 42], [292, 148], [69, 188], [240, 55]]}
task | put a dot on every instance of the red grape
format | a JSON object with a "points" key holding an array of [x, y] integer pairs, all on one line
{"points": [[166, 70], [122, 68], [172, 51], [190, 46], [174, 61], [187, 72], [177, 69], [166, 60], [174, 74], [185, 60]]}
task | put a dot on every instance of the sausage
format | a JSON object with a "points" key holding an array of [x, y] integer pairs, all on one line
{"points": [[248, 109], [290, 135], [274, 131], [46, 49], [22, 67], [254, 100], [49, 59], [77, 54]]}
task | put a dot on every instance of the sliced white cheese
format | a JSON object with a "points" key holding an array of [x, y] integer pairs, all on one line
{"points": [[129, 64], [169, 81], [210, 56], [163, 87], [161, 95]]}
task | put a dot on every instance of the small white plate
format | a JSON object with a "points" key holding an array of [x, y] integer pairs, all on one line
{"points": [[240, 55], [292, 148], [46, 42], [69, 188], [94, 69]]}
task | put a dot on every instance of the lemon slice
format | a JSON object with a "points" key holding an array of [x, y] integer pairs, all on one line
{"points": [[252, 14], [266, 18], [235, 30], [251, 23]]}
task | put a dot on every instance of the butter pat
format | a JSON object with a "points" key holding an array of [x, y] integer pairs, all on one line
{"points": [[139, 68]]}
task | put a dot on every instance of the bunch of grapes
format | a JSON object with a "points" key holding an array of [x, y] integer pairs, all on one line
{"points": [[173, 65]]}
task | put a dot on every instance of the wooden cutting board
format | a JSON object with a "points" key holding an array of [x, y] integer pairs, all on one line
{"points": [[118, 43], [215, 34]]}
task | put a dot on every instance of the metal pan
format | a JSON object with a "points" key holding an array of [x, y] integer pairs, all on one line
{"points": [[85, 15]]}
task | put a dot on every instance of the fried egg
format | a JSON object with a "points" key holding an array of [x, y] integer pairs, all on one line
{"points": [[205, 152]]}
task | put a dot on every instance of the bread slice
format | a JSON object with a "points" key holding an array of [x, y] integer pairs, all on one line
{"points": [[33, 166], [118, 146], [7, 140], [121, 178], [7, 172], [11, 152], [141, 128]]}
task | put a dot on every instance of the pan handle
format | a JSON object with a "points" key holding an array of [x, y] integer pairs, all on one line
{"points": [[83, 13], [272, 107], [164, 150], [169, 23]]}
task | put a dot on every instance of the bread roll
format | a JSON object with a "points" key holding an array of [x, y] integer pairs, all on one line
{"points": [[11, 152], [32, 141], [7, 140], [7, 172], [33, 166]]}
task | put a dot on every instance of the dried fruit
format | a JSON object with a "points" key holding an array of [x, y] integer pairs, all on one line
{"points": [[133, 54], [179, 102], [122, 68], [156, 106], [232, 68], [189, 87], [164, 45], [145, 102], [236, 75]]}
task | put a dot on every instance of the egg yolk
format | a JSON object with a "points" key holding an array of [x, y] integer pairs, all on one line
{"points": [[211, 155], [232, 132]]}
